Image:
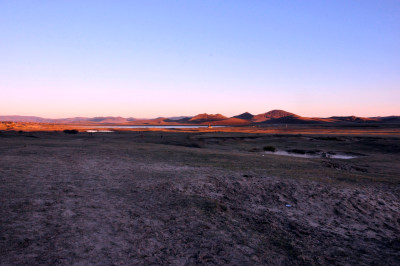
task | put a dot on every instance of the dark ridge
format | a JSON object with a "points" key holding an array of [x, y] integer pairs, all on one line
{"points": [[244, 116]]}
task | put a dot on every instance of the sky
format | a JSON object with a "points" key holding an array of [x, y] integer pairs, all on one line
{"points": [[167, 58]]}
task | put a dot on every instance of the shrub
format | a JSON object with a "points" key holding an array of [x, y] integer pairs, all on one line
{"points": [[71, 131], [269, 148]]}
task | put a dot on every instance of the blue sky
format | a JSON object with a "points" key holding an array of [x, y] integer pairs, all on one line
{"points": [[166, 58]]}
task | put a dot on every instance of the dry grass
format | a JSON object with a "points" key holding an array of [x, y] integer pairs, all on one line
{"points": [[196, 198]]}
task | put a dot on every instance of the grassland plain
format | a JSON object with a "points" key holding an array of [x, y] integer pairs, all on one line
{"points": [[160, 197]]}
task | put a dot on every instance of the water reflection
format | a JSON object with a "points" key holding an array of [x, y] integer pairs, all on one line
{"points": [[315, 154]]}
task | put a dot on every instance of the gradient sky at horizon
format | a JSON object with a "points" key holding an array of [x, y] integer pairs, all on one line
{"points": [[167, 58]]}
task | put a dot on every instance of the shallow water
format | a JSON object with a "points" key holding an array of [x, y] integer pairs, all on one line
{"points": [[315, 155], [99, 131]]}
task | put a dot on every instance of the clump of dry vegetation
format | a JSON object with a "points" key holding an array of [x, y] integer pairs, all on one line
{"points": [[269, 148], [71, 131]]}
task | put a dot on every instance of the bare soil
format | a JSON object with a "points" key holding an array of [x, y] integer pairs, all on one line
{"points": [[185, 198]]}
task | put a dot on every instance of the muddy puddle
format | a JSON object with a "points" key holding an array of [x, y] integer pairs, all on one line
{"points": [[99, 131], [315, 154]]}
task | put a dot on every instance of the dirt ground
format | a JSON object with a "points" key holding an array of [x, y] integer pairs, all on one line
{"points": [[183, 198]]}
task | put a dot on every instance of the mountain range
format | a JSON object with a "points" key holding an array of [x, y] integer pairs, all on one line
{"points": [[271, 117]]}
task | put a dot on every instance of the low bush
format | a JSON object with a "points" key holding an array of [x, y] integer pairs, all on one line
{"points": [[71, 131], [269, 148]]}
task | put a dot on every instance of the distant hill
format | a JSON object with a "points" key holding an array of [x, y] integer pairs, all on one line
{"points": [[108, 120], [292, 120], [354, 119], [178, 119], [390, 119], [200, 118], [244, 116], [229, 121], [175, 118], [20, 118], [274, 114], [271, 117], [35, 119]]}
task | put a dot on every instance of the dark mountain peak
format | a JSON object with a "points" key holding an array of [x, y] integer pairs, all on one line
{"points": [[245, 116]]}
